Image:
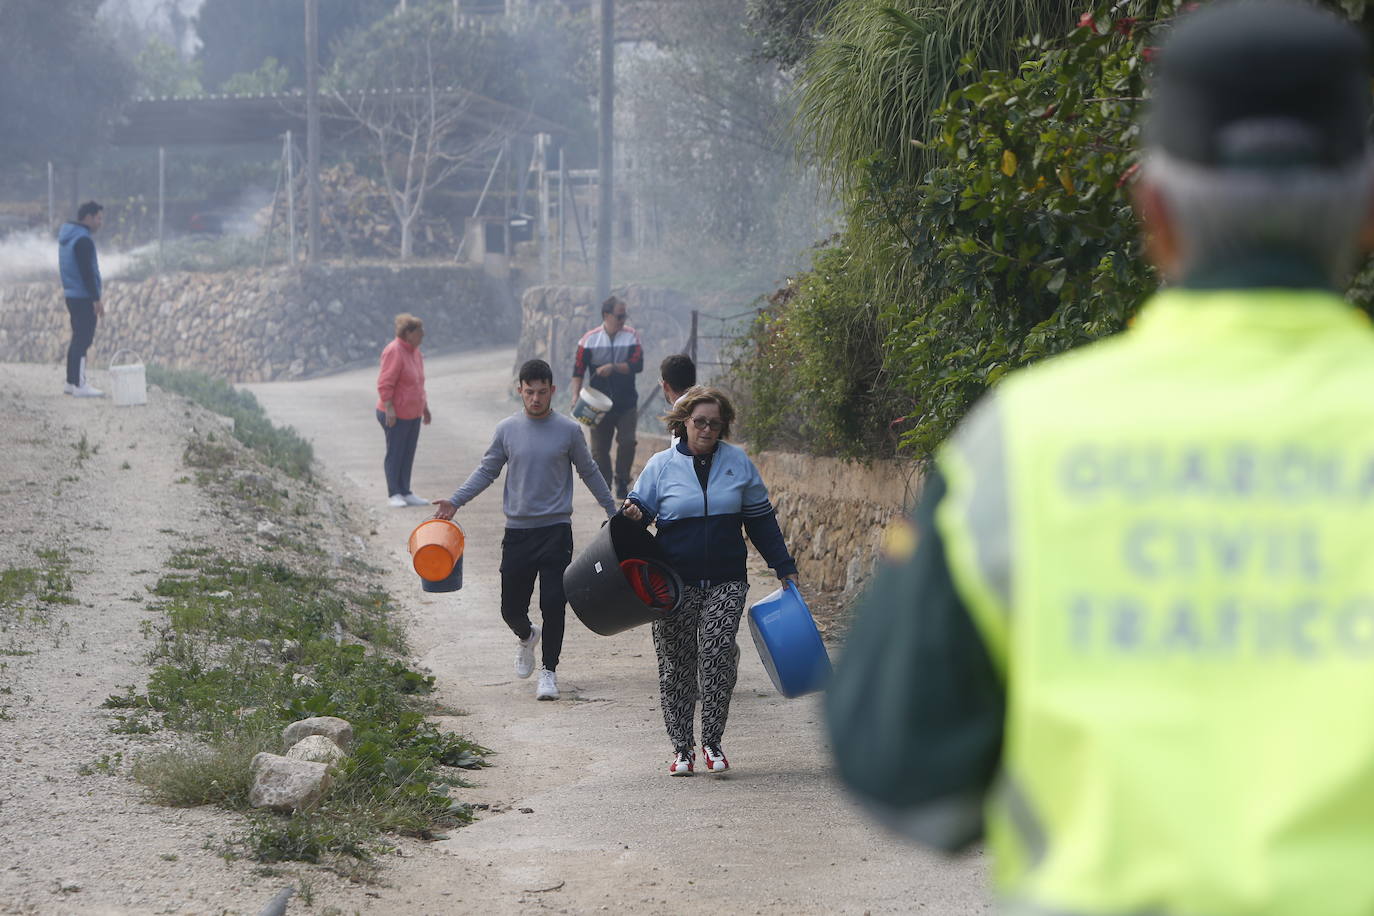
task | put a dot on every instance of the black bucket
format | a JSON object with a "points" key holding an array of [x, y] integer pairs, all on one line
{"points": [[598, 588], [451, 583]]}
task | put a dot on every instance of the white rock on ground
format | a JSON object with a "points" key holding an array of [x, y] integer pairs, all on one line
{"points": [[283, 784], [316, 748], [332, 727]]}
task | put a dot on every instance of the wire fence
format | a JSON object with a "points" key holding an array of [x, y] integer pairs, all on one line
{"points": [[710, 337]]}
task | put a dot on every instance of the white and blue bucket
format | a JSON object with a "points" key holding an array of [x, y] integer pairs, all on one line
{"points": [[591, 405]]}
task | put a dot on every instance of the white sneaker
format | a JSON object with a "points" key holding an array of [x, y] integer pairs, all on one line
{"points": [[68, 388], [86, 391], [548, 686], [397, 502], [413, 500], [684, 761], [524, 655]]}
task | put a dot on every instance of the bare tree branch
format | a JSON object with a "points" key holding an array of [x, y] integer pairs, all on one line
{"points": [[422, 137]]}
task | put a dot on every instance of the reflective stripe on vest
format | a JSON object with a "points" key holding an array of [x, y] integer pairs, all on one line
{"points": [[1168, 544]]}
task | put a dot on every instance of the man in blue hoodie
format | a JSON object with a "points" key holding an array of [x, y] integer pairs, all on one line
{"points": [[80, 272]]}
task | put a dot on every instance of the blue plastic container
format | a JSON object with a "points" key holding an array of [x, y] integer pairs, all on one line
{"points": [[789, 644]]}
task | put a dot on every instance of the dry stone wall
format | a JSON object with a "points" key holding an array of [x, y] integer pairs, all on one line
{"points": [[261, 325], [833, 513]]}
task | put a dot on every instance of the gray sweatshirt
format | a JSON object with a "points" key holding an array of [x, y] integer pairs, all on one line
{"points": [[541, 454]]}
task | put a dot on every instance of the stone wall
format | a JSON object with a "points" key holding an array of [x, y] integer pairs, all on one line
{"points": [[259, 325], [554, 318], [833, 513]]}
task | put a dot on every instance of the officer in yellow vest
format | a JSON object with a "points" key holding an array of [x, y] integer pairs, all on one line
{"points": [[1130, 637]]}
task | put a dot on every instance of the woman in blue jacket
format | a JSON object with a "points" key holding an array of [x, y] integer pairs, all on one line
{"points": [[704, 494]]}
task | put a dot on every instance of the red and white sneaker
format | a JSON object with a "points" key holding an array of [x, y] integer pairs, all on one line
{"points": [[683, 764], [714, 759]]}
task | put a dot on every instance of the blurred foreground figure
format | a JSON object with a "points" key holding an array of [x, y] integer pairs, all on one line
{"points": [[1131, 635]]}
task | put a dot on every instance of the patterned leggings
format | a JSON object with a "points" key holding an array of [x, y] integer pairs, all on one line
{"points": [[697, 658]]}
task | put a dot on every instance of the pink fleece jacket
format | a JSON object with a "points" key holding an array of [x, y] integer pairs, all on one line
{"points": [[401, 380]]}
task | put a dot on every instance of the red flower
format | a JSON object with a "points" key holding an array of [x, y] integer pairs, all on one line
{"points": [[1125, 25], [1086, 21], [1149, 54]]}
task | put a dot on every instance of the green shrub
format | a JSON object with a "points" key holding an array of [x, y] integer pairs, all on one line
{"points": [[811, 368], [1017, 242], [206, 254], [281, 448], [995, 232]]}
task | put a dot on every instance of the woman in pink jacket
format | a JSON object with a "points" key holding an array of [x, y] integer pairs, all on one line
{"points": [[401, 407]]}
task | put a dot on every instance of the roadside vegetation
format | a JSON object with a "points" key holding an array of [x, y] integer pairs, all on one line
{"points": [[985, 153], [28, 597], [280, 448], [267, 627]]}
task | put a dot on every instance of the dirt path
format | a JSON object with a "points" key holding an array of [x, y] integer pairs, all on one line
{"points": [[103, 493], [606, 828]]}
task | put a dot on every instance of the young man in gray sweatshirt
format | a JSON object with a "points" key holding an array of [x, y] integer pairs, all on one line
{"points": [[541, 449]]}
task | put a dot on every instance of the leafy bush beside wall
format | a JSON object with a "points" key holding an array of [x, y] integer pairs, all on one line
{"points": [[1017, 242]]}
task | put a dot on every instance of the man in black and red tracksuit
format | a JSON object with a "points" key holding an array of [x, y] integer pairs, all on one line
{"points": [[613, 354]]}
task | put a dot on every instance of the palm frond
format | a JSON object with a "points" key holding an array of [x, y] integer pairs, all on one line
{"points": [[870, 85]]}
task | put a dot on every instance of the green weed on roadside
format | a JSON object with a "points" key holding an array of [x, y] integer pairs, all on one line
{"points": [[250, 646], [280, 448]]}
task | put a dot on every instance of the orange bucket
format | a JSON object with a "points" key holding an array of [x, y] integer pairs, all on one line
{"points": [[436, 545]]}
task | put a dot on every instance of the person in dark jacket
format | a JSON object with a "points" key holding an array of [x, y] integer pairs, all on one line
{"points": [[705, 495], [80, 272], [676, 374]]}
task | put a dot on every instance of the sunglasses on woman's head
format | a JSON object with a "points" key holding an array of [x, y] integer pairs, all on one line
{"points": [[704, 423]]}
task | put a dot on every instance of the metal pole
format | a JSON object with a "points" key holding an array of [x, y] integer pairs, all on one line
{"points": [[692, 340], [606, 151], [577, 219], [272, 218], [505, 233], [290, 200], [500, 154], [161, 200], [52, 197], [544, 206], [312, 129], [562, 210]]}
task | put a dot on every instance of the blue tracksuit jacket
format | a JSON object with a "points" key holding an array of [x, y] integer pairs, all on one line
{"points": [[701, 530]]}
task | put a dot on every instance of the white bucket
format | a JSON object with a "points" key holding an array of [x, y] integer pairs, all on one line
{"points": [[591, 406], [128, 381]]}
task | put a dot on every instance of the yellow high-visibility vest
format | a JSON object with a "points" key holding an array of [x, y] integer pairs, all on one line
{"points": [[1167, 542]]}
